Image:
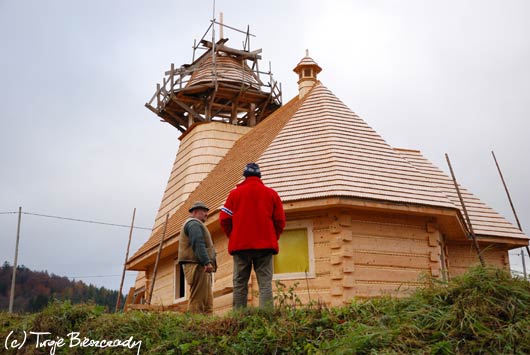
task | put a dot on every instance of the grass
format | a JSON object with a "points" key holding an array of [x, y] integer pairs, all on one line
{"points": [[485, 311]]}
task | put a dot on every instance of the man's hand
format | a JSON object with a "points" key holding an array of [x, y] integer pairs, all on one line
{"points": [[208, 268]]}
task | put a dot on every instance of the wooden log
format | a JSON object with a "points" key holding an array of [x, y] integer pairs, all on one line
{"points": [[391, 260], [125, 262], [222, 303], [363, 273], [224, 291], [191, 111], [157, 261], [391, 245], [130, 298], [369, 290], [243, 54]]}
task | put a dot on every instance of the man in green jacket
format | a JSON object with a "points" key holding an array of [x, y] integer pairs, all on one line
{"points": [[197, 257]]}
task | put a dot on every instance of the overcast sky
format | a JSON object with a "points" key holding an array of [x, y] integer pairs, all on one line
{"points": [[76, 140]]}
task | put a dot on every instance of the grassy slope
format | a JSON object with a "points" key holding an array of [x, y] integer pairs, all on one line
{"points": [[483, 312]]}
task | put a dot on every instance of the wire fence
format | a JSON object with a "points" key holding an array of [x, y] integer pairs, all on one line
{"points": [[78, 220], [80, 277]]}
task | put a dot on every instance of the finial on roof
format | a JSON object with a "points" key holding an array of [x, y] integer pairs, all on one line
{"points": [[307, 71]]}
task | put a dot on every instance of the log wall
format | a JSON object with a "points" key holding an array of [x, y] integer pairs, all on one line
{"points": [[164, 290], [462, 256], [356, 255], [359, 255]]}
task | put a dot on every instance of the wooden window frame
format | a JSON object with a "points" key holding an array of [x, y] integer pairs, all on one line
{"points": [[308, 226], [185, 297]]}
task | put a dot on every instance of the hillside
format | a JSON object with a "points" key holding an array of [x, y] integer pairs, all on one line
{"points": [[35, 289], [484, 312]]}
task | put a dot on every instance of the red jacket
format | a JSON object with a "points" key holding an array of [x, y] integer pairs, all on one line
{"points": [[252, 217]]}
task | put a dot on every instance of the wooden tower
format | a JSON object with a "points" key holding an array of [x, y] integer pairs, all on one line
{"points": [[213, 102], [223, 84]]}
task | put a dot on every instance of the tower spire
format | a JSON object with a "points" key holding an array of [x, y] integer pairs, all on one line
{"points": [[307, 71]]}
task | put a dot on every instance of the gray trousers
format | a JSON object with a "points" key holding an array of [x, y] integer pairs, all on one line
{"points": [[262, 263]]}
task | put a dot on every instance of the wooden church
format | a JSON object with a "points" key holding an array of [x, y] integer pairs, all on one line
{"points": [[364, 219]]}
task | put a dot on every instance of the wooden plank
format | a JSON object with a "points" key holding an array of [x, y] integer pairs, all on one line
{"points": [[390, 259], [318, 283], [224, 291], [181, 306], [222, 302], [366, 290], [463, 256], [191, 111], [130, 297], [390, 245], [138, 297], [222, 285], [390, 230], [254, 55], [363, 273]]}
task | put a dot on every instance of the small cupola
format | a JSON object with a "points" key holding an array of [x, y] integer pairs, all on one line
{"points": [[307, 71]]}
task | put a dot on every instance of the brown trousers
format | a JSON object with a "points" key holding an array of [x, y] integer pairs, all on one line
{"points": [[201, 294]]}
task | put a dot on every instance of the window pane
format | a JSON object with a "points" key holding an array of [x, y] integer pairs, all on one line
{"points": [[294, 254]]}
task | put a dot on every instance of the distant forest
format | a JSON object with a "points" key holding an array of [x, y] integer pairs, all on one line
{"points": [[35, 289]]}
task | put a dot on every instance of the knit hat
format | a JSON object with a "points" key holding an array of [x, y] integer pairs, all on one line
{"points": [[198, 204], [252, 169]]}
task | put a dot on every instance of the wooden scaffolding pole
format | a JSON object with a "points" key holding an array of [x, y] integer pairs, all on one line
{"points": [[150, 296], [514, 213], [14, 274], [125, 262], [469, 226]]}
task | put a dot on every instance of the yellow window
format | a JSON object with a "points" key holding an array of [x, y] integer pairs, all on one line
{"points": [[294, 253]]}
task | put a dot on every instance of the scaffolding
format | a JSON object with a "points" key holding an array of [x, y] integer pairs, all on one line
{"points": [[223, 84]]}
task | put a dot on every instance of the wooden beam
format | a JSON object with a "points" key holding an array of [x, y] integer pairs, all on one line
{"points": [[191, 111], [190, 68], [150, 295], [462, 203], [244, 54], [125, 263], [130, 298], [252, 115], [151, 108], [165, 116], [176, 116]]}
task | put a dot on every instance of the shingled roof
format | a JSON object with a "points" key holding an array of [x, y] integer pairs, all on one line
{"points": [[316, 147], [485, 221], [327, 150], [226, 69]]}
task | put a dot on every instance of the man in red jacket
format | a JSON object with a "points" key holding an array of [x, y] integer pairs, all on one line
{"points": [[253, 220]]}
